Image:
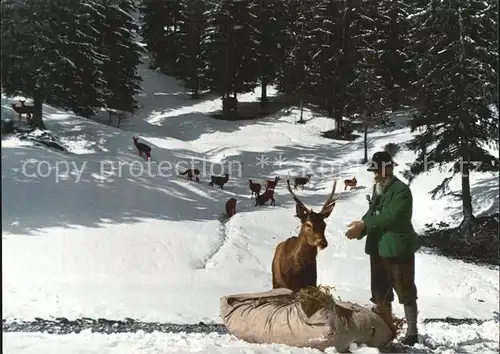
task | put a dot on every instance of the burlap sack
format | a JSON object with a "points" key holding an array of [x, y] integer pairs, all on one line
{"points": [[277, 317]]}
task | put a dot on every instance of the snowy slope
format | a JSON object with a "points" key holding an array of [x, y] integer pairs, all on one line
{"points": [[84, 240]]}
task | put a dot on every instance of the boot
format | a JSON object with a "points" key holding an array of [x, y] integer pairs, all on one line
{"points": [[411, 337]]}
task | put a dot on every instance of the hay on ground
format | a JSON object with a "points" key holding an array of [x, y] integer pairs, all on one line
{"points": [[314, 298]]}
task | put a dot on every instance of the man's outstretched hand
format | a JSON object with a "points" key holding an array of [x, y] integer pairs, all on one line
{"points": [[355, 229]]}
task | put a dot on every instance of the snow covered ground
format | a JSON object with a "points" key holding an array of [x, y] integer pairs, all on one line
{"points": [[98, 232], [443, 339]]}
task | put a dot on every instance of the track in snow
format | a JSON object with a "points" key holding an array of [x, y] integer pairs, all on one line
{"points": [[223, 219]]}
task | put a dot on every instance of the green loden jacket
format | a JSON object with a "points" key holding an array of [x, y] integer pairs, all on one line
{"points": [[388, 224]]}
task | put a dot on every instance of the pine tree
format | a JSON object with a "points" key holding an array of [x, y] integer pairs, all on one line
{"points": [[270, 21], [246, 71], [334, 27], [293, 75], [123, 55], [457, 84], [325, 38], [368, 95], [160, 31], [84, 84], [50, 52], [191, 29], [393, 29], [229, 48], [154, 19]]}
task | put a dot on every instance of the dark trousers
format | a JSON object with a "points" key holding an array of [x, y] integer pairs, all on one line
{"points": [[392, 273]]}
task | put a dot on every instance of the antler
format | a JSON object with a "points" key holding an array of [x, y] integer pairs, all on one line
{"points": [[297, 200], [330, 201]]}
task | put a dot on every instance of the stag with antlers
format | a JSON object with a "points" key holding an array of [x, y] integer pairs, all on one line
{"points": [[294, 263]]}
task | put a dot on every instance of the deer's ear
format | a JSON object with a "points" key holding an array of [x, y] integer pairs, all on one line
{"points": [[301, 212]]}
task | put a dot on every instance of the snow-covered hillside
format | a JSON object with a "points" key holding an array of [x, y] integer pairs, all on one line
{"points": [[98, 232]]}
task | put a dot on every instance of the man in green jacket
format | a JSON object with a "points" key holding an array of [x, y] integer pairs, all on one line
{"points": [[391, 242]]}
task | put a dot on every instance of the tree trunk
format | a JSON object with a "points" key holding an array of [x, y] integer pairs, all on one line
{"points": [[263, 96], [365, 159], [329, 107], [301, 120], [37, 119], [469, 219], [195, 86], [338, 121]]}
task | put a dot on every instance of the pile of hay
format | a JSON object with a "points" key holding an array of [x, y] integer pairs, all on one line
{"points": [[315, 298], [312, 299]]}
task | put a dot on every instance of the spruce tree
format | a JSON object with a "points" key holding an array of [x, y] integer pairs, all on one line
{"points": [[368, 95], [191, 60], [270, 21], [333, 30], [50, 52], [246, 73], [457, 86], [393, 29], [216, 47], [325, 40], [160, 31], [123, 55], [229, 48], [155, 18], [293, 76]]}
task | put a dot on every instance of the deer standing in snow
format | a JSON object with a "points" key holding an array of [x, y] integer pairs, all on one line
{"points": [[23, 109], [254, 188], [231, 207], [190, 172], [271, 184], [265, 197], [350, 183], [294, 264], [301, 181], [142, 148]]}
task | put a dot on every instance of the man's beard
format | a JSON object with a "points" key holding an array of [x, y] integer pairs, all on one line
{"points": [[381, 184]]}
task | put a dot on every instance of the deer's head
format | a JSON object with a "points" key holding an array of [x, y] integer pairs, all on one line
{"points": [[313, 223]]}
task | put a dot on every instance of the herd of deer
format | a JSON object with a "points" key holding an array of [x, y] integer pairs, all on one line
{"points": [[262, 199], [294, 263]]}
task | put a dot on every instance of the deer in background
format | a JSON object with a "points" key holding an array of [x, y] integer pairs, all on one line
{"points": [[28, 110], [350, 183], [142, 148], [231, 207], [294, 263], [265, 197], [271, 184], [190, 173], [255, 188], [219, 180], [301, 181]]}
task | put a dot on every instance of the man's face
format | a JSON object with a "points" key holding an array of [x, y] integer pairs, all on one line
{"points": [[383, 174]]}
